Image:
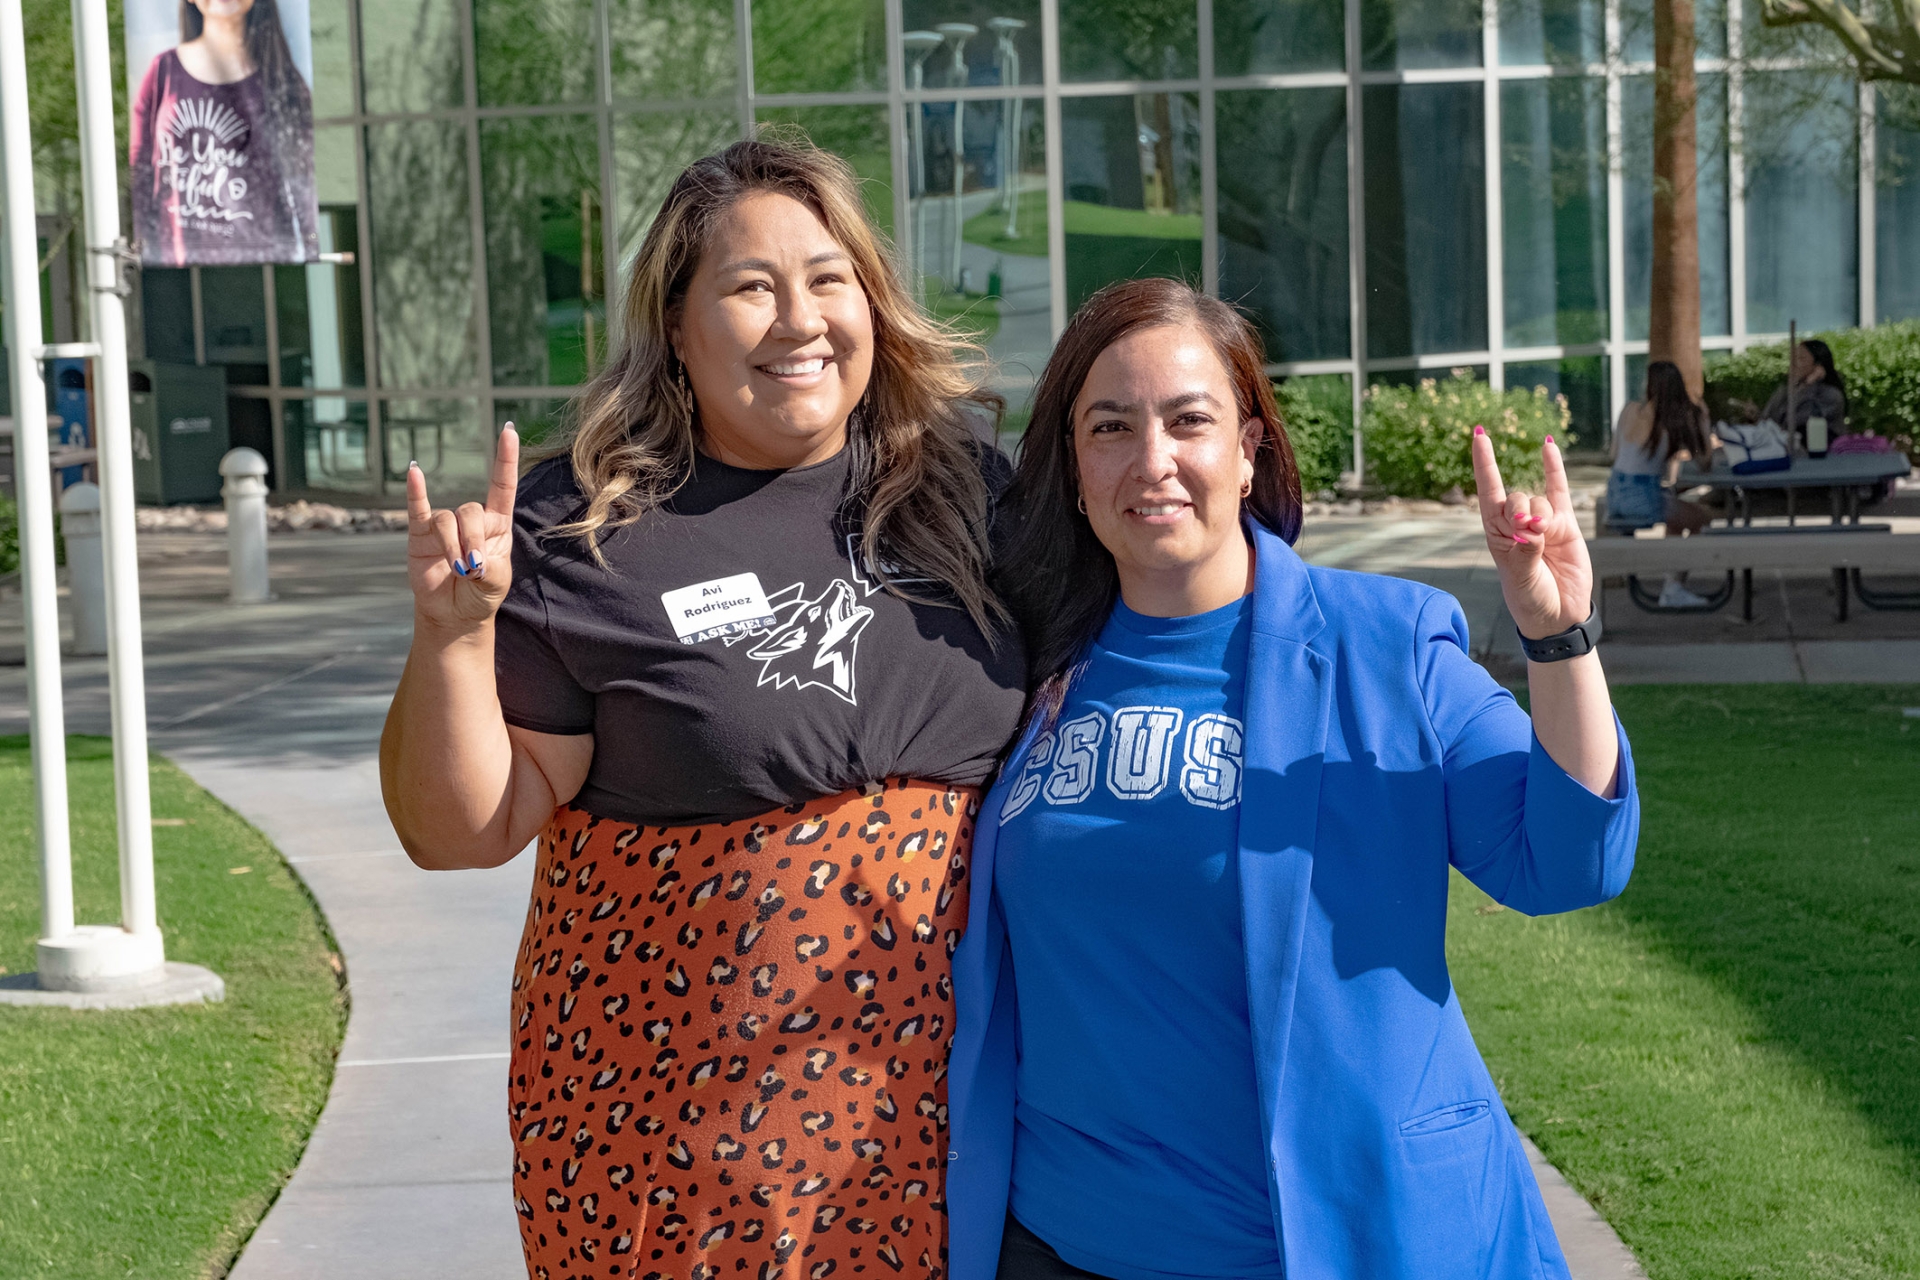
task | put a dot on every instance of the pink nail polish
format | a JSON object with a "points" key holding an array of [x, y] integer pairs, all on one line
{"points": [[1479, 431], [1519, 541], [1549, 439]]}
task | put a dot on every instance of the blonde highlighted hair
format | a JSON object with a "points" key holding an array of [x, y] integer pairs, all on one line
{"points": [[917, 494]]}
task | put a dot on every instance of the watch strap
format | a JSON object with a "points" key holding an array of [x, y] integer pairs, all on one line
{"points": [[1576, 640]]}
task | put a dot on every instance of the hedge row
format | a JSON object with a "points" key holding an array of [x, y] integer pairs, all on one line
{"points": [[1419, 439], [1881, 367]]}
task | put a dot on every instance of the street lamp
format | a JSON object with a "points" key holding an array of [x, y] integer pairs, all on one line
{"points": [[920, 44], [1005, 28], [958, 33]]}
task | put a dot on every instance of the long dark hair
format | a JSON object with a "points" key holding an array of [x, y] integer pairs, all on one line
{"points": [[289, 103], [1059, 580], [1823, 356], [917, 488], [1679, 422]]}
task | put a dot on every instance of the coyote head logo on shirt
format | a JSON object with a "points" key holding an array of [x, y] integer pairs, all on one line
{"points": [[812, 642]]}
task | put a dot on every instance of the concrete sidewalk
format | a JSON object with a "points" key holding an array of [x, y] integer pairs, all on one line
{"points": [[277, 708]]}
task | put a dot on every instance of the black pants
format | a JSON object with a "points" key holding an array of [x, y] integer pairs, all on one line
{"points": [[1025, 1256]]}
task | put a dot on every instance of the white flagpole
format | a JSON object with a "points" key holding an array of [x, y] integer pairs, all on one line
{"points": [[33, 485]]}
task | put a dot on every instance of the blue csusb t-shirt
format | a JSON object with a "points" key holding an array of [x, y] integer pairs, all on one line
{"points": [[1138, 1149]]}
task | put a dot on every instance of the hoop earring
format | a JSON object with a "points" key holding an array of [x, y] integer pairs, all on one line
{"points": [[1246, 488], [1081, 502]]}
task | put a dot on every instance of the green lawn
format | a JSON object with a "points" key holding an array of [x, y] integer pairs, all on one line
{"points": [[149, 1143], [1726, 1060]]}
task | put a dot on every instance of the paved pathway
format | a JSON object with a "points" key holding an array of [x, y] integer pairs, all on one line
{"points": [[276, 709]]}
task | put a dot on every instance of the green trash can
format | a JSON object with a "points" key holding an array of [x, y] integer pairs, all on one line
{"points": [[179, 430]]}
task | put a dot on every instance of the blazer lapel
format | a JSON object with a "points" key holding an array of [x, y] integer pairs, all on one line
{"points": [[1289, 699]]}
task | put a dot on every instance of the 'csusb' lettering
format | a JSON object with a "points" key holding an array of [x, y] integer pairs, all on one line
{"points": [[1145, 750]]}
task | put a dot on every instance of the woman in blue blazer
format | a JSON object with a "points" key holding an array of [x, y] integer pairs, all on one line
{"points": [[1204, 1023]]}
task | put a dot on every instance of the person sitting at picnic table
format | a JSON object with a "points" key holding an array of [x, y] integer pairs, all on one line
{"points": [[1652, 438], [1818, 391]]}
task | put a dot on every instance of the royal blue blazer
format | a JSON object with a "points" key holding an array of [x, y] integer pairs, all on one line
{"points": [[1378, 754]]}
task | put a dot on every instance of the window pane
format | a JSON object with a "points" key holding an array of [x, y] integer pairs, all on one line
{"points": [[1406, 35], [1560, 32], [1897, 203], [166, 313], [332, 59], [1426, 219], [649, 152], [980, 250], [321, 341], [1710, 150], [1008, 53], [1709, 29], [820, 46], [1803, 220], [1129, 39], [446, 438], [327, 446], [1283, 217], [1802, 40], [411, 55], [233, 307], [533, 50], [1132, 189], [1275, 37], [546, 297], [1583, 381], [422, 253], [666, 49], [336, 177], [857, 135], [1553, 188], [537, 421]]}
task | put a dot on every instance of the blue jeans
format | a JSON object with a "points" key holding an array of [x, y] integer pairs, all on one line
{"points": [[1635, 502]]}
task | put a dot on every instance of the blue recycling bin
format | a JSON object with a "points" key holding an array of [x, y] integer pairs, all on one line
{"points": [[71, 399]]}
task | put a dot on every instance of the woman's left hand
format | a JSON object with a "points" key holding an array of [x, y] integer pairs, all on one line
{"points": [[1536, 544]]}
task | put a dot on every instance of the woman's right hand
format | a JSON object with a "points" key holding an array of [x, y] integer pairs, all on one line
{"points": [[460, 562]]}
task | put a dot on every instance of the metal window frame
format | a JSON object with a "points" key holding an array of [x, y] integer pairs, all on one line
{"points": [[605, 106]]}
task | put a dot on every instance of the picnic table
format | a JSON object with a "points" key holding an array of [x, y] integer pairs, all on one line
{"points": [[1848, 478]]}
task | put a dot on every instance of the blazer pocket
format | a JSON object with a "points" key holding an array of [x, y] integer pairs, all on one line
{"points": [[1455, 1115]]}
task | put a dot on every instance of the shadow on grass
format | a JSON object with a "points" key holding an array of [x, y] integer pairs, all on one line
{"points": [[1791, 818]]}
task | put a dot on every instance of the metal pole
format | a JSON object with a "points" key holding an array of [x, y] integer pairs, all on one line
{"points": [[959, 33], [99, 176], [33, 486], [919, 45]]}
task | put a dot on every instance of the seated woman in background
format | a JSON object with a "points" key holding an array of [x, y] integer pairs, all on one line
{"points": [[1818, 390], [1652, 438]]}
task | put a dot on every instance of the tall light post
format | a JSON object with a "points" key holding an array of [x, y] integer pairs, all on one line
{"points": [[920, 44], [958, 33], [33, 486], [1005, 28]]}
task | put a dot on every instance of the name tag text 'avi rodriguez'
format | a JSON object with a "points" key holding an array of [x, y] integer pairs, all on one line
{"points": [[723, 607]]}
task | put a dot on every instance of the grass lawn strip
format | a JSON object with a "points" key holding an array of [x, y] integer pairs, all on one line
{"points": [[1726, 1060], [151, 1142]]}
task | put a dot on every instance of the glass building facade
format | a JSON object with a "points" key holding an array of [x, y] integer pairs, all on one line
{"points": [[1389, 187]]}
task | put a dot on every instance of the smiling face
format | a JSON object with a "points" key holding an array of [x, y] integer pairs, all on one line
{"points": [[1163, 457], [1805, 368], [777, 337]]}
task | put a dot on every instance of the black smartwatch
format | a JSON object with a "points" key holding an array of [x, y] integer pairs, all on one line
{"points": [[1578, 639]]}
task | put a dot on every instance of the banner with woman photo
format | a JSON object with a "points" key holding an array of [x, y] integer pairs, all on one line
{"points": [[221, 138]]}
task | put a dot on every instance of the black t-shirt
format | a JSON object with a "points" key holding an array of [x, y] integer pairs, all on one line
{"points": [[736, 656]]}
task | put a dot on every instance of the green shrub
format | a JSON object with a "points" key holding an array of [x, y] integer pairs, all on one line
{"points": [[1419, 440], [1881, 366], [1318, 414], [9, 536]]}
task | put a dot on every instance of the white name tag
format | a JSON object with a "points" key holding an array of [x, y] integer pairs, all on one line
{"points": [[723, 607]]}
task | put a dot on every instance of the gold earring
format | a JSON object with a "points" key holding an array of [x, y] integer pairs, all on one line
{"points": [[683, 389]]}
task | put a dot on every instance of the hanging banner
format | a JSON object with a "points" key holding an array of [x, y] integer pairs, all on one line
{"points": [[221, 131]]}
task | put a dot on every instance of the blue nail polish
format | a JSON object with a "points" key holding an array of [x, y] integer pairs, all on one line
{"points": [[473, 562], [460, 568]]}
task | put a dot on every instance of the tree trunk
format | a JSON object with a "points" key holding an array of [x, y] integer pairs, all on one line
{"points": [[1673, 331]]}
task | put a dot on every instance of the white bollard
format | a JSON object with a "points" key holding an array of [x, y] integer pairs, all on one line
{"points": [[86, 567], [245, 492]]}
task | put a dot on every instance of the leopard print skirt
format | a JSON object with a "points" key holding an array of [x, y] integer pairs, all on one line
{"points": [[730, 1041]]}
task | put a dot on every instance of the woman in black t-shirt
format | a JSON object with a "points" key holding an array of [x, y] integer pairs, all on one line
{"points": [[733, 661]]}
